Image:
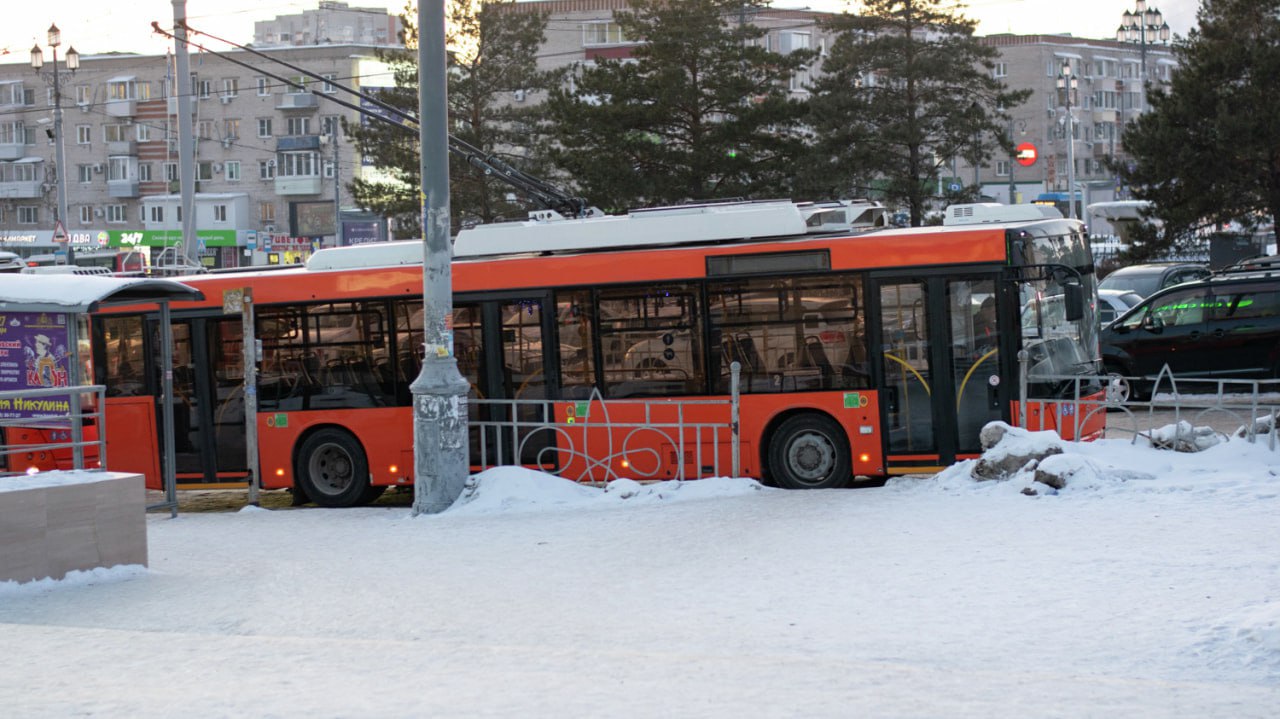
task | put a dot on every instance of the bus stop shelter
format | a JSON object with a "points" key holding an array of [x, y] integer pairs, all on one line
{"points": [[72, 296]]}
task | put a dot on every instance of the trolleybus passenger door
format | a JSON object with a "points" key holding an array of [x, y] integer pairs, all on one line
{"points": [[938, 368], [208, 402], [501, 353]]}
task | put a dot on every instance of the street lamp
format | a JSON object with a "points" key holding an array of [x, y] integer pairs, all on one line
{"points": [[60, 162], [1068, 82], [1137, 27]]}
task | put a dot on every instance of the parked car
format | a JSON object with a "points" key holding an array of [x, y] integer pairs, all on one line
{"points": [[1146, 279], [1114, 303], [10, 262], [1223, 327]]}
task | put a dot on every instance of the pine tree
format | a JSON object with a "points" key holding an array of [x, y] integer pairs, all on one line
{"points": [[1208, 152], [492, 56], [700, 111], [906, 88]]}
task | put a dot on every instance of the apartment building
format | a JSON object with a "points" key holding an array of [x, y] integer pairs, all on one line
{"points": [[270, 161], [332, 22], [1108, 93]]}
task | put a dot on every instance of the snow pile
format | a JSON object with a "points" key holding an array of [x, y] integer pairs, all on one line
{"points": [[516, 489], [1041, 463]]}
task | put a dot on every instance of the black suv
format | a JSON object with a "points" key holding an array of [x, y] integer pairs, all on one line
{"points": [[1150, 278], [1223, 327]]}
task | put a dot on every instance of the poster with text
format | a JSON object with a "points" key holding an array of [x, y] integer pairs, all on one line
{"points": [[33, 355]]}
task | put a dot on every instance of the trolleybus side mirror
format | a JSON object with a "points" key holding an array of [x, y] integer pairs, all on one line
{"points": [[1074, 298]]}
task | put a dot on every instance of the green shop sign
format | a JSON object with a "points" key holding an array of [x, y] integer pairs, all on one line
{"points": [[167, 238]]}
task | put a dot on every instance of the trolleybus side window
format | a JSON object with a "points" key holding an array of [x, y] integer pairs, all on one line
{"points": [[660, 326], [574, 327]]}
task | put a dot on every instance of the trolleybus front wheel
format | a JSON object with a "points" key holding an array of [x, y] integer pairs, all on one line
{"points": [[333, 471], [809, 451]]}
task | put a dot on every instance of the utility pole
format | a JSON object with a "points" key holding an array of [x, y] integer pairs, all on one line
{"points": [[439, 392], [186, 137]]}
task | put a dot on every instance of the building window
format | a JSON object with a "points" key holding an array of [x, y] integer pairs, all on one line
{"points": [[263, 87], [266, 169], [121, 90], [264, 127], [84, 134], [28, 214], [601, 33], [116, 133], [297, 84], [266, 212], [204, 129], [230, 86], [299, 125], [219, 213], [144, 172], [329, 125], [329, 88], [22, 172], [115, 213], [143, 132], [157, 213], [1002, 168], [12, 133], [233, 170], [328, 169], [204, 89], [1001, 69], [171, 171], [118, 169], [298, 164], [86, 214], [789, 42], [84, 173], [204, 170], [230, 129], [84, 95]]}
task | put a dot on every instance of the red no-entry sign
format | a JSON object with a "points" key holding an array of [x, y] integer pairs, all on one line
{"points": [[1026, 154]]}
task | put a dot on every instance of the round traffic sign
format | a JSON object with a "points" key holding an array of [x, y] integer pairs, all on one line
{"points": [[1026, 154]]}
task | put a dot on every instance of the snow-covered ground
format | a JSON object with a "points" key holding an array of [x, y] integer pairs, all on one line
{"points": [[1148, 586]]}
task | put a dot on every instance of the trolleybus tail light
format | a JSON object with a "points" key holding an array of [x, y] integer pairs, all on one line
{"points": [[864, 458], [393, 469], [280, 472]]}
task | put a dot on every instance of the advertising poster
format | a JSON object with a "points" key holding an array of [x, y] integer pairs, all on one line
{"points": [[33, 354]]}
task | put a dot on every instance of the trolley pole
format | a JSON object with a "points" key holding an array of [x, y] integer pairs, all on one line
{"points": [[439, 392]]}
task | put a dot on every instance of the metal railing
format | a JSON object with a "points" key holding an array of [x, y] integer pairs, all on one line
{"points": [[1248, 409], [61, 424], [597, 437]]}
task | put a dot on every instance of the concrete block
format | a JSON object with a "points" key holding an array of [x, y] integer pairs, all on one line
{"points": [[80, 522]]}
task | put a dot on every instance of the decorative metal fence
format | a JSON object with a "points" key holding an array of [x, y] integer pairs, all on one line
{"points": [[598, 440]]}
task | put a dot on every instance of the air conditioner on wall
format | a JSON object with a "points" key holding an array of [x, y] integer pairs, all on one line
{"points": [[97, 212], [217, 167], [225, 99], [269, 228], [97, 167]]}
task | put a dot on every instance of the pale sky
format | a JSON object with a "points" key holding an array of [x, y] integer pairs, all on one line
{"points": [[95, 26]]}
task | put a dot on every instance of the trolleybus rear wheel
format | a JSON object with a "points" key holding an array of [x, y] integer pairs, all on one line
{"points": [[333, 470]]}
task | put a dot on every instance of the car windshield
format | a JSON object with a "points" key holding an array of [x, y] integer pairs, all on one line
{"points": [[1144, 282]]}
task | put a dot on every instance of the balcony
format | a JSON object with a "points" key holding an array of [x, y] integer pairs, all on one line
{"points": [[122, 188], [298, 101], [12, 150], [297, 142], [300, 185], [121, 108], [122, 147], [21, 190]]}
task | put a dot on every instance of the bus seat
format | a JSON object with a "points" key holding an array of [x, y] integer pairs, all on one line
{"points": [[816, 356]]}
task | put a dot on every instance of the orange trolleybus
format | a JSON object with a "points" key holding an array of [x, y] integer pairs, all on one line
{"points": [[865, 351]]}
